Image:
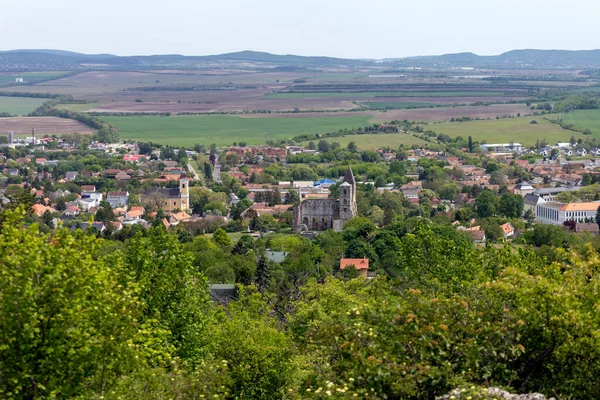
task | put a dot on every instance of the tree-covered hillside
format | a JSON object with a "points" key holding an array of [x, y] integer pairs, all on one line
{"points": [[85, 317]]}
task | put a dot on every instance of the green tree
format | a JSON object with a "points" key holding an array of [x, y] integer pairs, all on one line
{"points": [[323, 146], [67, 321], [208, 171], [105, 213], [511, 205], [352, 147], [221, 238], [291, 197], [173, 291], [486, 204], [449, 191], [259, 356]]}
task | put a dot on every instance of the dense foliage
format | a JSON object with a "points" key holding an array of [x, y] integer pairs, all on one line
{"points": [[83, 317]]}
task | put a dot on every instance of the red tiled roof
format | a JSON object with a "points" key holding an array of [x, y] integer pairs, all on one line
{"points": [[359, 263]]}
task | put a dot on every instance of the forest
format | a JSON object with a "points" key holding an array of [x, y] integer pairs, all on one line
{"points": [[133, 318]]}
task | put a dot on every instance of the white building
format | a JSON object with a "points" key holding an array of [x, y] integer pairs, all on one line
{"points": [[557, 213], [549, 194], [523, 188], [502, 147]]}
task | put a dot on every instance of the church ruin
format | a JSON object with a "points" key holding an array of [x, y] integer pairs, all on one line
{"points": [[318, 214]]}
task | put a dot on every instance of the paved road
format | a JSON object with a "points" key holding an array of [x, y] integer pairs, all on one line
{"points": [[193, 171], [217, 170]]}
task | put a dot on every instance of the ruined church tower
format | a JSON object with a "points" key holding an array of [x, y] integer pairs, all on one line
{"points": [[347, 197]]}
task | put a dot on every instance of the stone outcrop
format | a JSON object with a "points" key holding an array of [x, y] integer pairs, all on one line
{"points": [[490, 394]]}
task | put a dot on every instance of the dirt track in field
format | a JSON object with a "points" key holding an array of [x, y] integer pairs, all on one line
{"points": [[43, 126]]}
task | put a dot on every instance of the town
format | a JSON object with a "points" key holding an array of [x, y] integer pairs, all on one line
{"points": [[107, 187]]}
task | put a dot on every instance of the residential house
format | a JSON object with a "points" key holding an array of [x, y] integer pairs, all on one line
{"points": [[71, 175], [478, 236], [178, 217], [88, 188], [86, 203], [71, 212], [508, 230], [118, 199], [411, 193], [135, 213], [40, 209], [361, 264], [122, 176], [93, 195]]}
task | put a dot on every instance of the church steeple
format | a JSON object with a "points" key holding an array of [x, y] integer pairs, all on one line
{"points": [[349, 176]]}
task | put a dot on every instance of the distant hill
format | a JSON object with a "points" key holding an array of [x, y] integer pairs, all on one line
{"points": [[511, 59], [40, 59]]}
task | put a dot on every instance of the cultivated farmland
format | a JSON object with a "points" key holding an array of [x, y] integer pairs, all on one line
{"points": [[584, 119], [19, 105], [187, 130], [519, 130], [316, 95], [447, 113], [21, 126]]}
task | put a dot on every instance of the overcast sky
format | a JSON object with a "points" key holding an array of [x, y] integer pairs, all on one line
{"points": [[339, 28]]}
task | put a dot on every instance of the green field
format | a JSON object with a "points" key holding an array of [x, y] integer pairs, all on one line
{"points": [[223, 130], [29, 77], [519, 130], [584, 119], [76, 107], [376, 141], [19, 105], [378, 94], [398, 105]]}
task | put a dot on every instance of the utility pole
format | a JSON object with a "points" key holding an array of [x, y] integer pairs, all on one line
{"points": [[33, 136]]}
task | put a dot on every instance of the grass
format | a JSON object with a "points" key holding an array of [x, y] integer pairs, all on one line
{"points": [[383, 105], [76, 107], [379, 94], [223, 130], [19, 105], [584, 119], [376, 141], [519, 130]]}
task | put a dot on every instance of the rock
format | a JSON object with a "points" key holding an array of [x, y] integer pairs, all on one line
{"points": [[490, 394]]}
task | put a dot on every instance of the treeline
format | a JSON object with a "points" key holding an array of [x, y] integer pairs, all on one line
{"points": [[36, 95], [190, 88], [390, 127], [584, 101], [105, 132]]}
